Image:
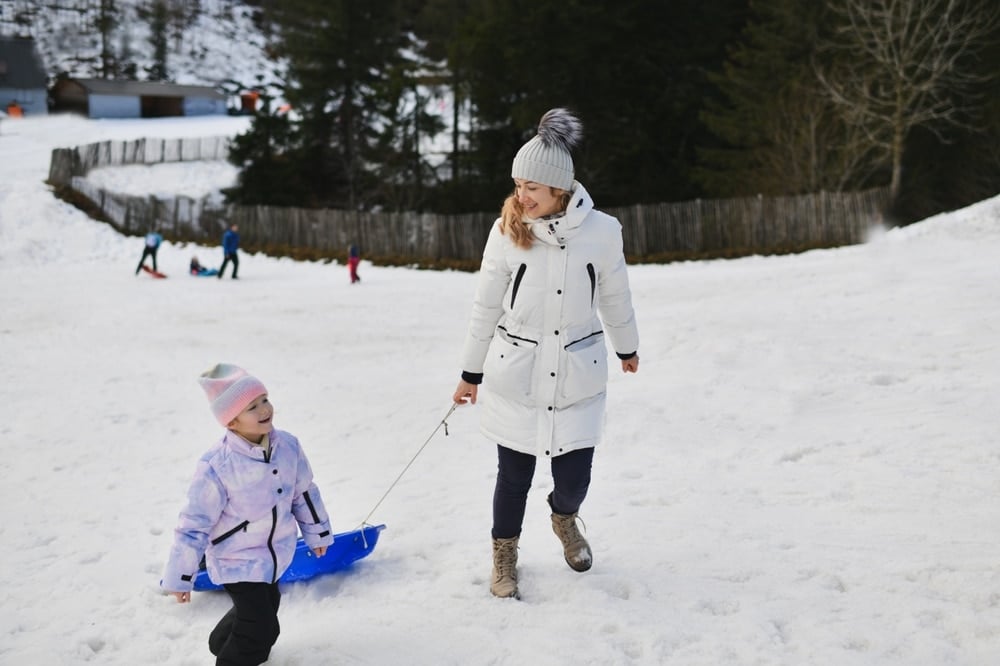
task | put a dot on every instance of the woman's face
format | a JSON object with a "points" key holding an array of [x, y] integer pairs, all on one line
{"points": [[536, 199]]}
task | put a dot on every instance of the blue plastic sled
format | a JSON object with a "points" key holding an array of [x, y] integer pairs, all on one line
{"points": [[347, 548]]}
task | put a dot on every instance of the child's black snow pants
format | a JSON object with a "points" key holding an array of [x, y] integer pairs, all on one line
{"points": [[244, 635]]}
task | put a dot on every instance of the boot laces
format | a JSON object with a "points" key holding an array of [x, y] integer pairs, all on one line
{"points": [[567, 530], [505, 558]]}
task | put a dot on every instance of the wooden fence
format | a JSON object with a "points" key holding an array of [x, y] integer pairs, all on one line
{"points": [[657, 232], [750, 225], [69, 162]]}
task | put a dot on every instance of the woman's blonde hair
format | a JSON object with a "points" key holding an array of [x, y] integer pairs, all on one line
{"points": [[512, 214]]}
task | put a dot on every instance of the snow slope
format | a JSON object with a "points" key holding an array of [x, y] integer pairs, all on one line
{"points": [[219, 42], [804, 470]]}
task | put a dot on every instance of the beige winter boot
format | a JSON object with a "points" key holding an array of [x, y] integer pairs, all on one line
{"points": [[576, 550], [504, 582]]}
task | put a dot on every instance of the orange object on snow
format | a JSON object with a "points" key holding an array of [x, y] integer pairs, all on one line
{"points": [[248, 101]]}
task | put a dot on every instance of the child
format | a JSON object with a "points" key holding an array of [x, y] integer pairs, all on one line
{"points": [[149, 249], [353, 259], [249, 493], [197, 269]]}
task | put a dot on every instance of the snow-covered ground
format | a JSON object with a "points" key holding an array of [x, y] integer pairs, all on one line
{"points": [[167, 180], [804, 471]]}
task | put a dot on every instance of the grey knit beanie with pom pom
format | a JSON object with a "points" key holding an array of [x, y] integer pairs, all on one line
{"points": [[546, 158]]}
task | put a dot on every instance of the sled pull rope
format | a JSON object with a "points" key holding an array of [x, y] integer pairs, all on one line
{"points": [[443, 422]]}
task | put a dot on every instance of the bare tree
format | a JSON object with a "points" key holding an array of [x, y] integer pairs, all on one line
{"points": [[808, 147], [902, 64]]}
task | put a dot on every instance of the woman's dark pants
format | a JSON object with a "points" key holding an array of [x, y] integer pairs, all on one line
{"points": [[570, 477]]}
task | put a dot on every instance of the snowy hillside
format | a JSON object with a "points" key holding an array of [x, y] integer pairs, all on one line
{"points": [[803, 472], [216, 43]]}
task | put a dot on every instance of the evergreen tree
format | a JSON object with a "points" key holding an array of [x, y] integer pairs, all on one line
{"points": [[776, 133], [270, 174], [158, 17], [126, 67], [107, 22], [402, 173], [345, 63], [439, 23], [635, 75]]}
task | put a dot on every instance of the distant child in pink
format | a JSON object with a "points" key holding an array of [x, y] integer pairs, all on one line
{"points": [[353, 259]]}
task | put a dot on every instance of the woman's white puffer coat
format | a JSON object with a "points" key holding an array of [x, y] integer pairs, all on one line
{"points": [[536, 330]]}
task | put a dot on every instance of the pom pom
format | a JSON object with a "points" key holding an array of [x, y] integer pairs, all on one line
{"points": [[561, 129]]}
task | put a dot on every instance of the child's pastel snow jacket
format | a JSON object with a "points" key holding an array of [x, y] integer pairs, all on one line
{"points": [[245, 507]]}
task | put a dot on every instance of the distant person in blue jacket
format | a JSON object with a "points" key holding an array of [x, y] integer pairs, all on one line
{"points": [[153, 241], [230, 243]]}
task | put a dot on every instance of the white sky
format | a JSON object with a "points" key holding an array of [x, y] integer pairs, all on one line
{"points": [[802, 472]]}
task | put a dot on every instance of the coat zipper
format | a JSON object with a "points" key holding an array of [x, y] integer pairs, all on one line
{"points": [[222, 537], [586, 337], [517, 283], [514, 337], [270, 544], [312, 511], [593, 282]]}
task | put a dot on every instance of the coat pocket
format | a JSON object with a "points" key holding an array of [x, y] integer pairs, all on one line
{"points": [[225, 535], [585, 369], [509, 365]]}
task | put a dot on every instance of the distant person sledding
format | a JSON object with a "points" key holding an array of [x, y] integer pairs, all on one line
{"points": [[150, 248], [198, 270]]}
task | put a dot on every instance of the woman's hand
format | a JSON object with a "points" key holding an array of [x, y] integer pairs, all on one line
{"points": [[182, 597], [319, 551], [631, 364], [465, 392]]}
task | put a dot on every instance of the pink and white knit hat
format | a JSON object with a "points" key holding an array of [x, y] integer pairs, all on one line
{"points": [[229, 389]]}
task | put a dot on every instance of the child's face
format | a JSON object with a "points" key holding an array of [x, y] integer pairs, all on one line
{"points": [[255, 421]]}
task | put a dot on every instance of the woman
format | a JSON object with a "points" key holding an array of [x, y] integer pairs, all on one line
{"points": [[551, 265]]}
